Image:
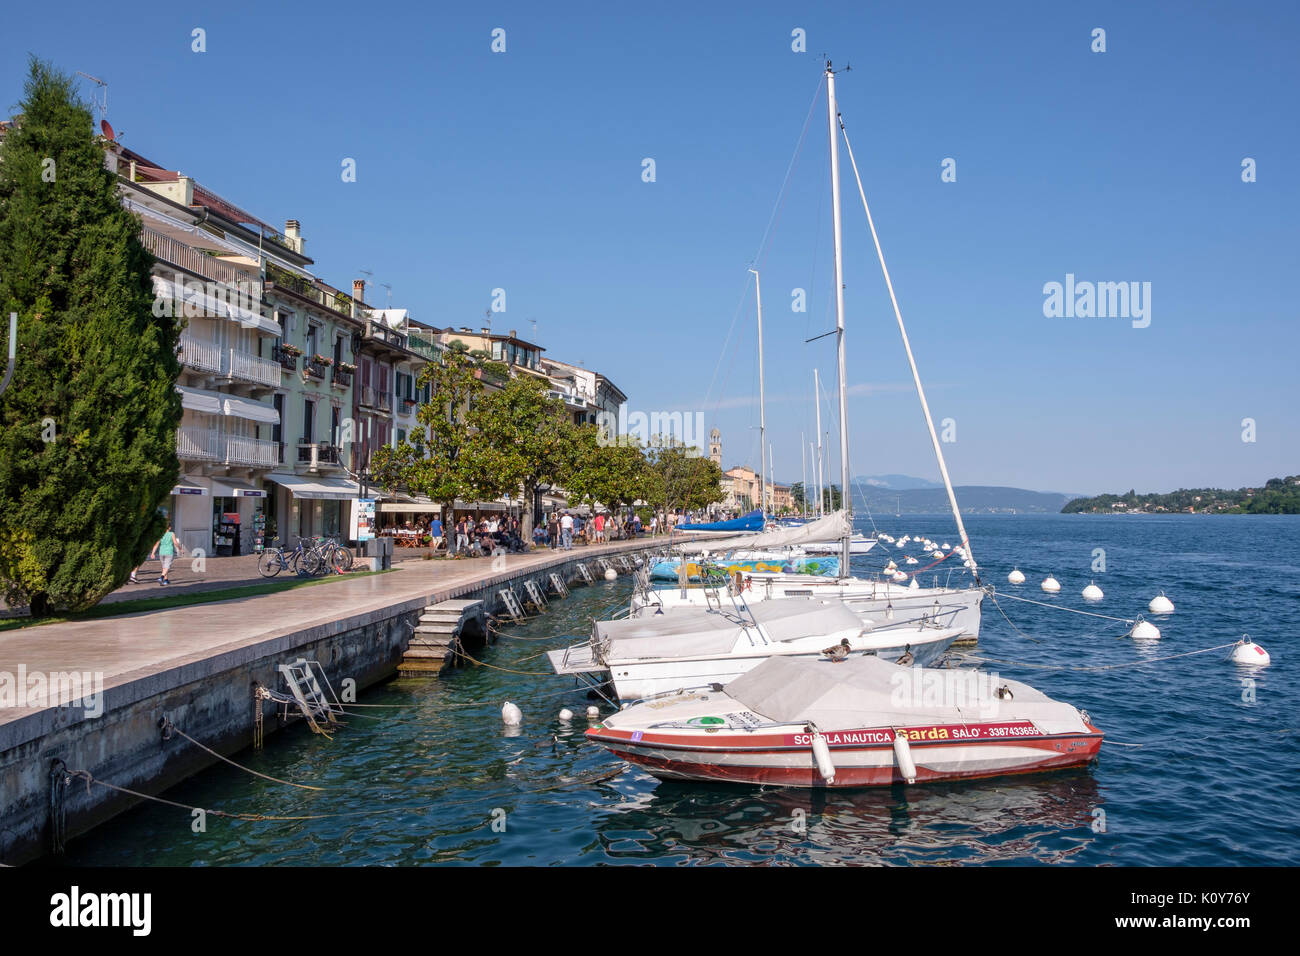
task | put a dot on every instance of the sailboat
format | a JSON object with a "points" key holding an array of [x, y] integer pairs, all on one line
{"points": [[877, 600]]}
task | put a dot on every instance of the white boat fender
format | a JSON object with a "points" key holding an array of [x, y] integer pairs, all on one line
{"points": [[903, 754], [593, 713], [822, 754], [1248, 652], [611, 574], [1145, 631], [1161, 604], [511, 715], [1050, 585], [1016, 576], [566, 715], [1092, 592]]}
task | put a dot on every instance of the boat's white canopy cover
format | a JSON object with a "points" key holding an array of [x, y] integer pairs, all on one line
{"points": [[692, 632], [870, 692], [829, 527]]}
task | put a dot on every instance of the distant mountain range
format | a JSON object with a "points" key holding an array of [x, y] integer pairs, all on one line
{"points": [[883, 494], [972, 499]]}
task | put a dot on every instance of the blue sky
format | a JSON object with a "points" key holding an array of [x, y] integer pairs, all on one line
{"points": [[522, 170]]}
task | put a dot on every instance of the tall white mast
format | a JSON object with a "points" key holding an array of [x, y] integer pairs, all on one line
{"points": [[762, 400], [832, 116], [771, 478], [817, 400]]}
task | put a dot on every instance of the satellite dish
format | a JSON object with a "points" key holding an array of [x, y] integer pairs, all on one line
{"points": [[107, 131]]}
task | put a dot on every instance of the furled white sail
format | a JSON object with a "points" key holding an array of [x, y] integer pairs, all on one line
{"points": [[829, 528]]}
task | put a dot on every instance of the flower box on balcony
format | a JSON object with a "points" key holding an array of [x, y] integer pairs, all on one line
{"points": [[347, 367], [314, 368], [342, 376], [287, 356], [323, 360]]}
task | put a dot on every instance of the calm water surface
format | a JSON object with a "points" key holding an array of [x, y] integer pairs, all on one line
{"points": [[1211, 781]]}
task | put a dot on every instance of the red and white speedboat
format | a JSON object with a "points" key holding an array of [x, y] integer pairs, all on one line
{"points": [[860, 722]]}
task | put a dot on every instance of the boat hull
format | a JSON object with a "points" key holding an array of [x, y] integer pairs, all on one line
{"points": [[814, 565], [788, 761]]}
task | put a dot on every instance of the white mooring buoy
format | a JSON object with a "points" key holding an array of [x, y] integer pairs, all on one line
{"points": [[1145, 631], [566, 715], [1050, 584], [1016, 576], [1248, 652], [611, 574], [1092, 592], [511, 715], [593, 712], [1161, 604], [914, 586], [899, 577]]}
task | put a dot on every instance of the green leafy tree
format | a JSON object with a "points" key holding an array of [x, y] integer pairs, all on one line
{"points": [[680, 477], [614, 474], [88, 423], [443, 468], [523, 439], [832, 500]]}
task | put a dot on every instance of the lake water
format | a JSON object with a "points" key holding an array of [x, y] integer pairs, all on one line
{"points": [[1205, 779]]}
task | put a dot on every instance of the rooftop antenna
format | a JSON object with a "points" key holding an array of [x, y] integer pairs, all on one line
{"points": [[389, 287], [100, 97]]}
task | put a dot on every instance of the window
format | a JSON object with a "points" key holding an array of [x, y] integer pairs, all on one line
{"points": [[338, 350], [312, 331], [286, 323], [308, 421], [401, 435], [496, 351], [334, 426], [277, 430]]}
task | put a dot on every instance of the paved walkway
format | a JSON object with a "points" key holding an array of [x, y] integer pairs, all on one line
{"points": [[133, 646]]}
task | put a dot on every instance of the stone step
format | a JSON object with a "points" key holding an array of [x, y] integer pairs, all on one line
{"points": [[427, 653], [436, 629], [437, 615], [420, 668]]}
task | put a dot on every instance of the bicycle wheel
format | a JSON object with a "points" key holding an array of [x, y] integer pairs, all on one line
{"points": [[271, 563], [342, 558], [311, 563]]}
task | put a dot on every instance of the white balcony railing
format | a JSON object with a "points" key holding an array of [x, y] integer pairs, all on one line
{"points": [[200, 355], [253, 368], [252, 451], [196, 443]]}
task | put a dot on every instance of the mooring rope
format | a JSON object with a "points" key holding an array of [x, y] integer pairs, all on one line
{"points": [[1098, 667], [255, 773], [1057, 607], [588, 779], [508, 670]]}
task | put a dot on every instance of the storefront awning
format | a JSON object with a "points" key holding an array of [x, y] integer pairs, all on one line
{"points": [[185, 488], [408, 507], [229, 488], [335, 489]]}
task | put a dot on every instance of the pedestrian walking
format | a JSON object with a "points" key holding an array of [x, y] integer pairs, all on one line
{"points": [[566, 531], [166, 548]]}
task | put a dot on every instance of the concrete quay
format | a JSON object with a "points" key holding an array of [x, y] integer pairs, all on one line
{"points": [[198, 667]]}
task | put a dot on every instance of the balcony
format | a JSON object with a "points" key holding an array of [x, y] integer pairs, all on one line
{"points": [[316, 454], [315, 369], [305, 289], [195, 443], [407, 406], [385, 401], [288, 360], [253, 452], [253, 368], [382, 340], [342, 377], [200, 356], [175, 253], [424, 345]]}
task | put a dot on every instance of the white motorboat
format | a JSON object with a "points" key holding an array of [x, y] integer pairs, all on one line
{"points": [[863, 722], [697, 647]]}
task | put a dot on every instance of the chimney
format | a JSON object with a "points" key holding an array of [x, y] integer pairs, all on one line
{"points": [[358, 296], [293, 232], [512, 333], [487, 331]]}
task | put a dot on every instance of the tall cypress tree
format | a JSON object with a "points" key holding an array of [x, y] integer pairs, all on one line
{"points": [[88, 423]]}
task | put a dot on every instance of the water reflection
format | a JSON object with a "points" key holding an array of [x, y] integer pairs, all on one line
{"points": [[1046, 818]]}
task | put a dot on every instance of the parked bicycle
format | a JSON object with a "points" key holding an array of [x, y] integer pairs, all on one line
{"points": [[301, 560]]}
